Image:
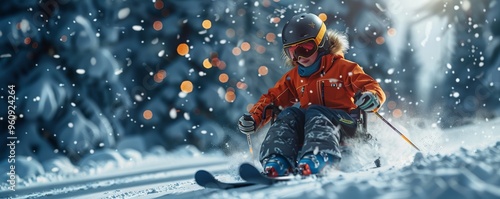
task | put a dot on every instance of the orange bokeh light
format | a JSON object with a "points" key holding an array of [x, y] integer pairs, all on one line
{"points": [[27, 40], [147, 114], [380, 40], [263, 70], [222, 65], [207, 64], [245, 46], [187, 86], [397, 113], [236, 51], [159, 4], [230, 96], [241, 85], [223, 78], [266, 3], [260, 49], [323, 16], [157, 25], [270, 37], [183, 49], [207, 24], [391, 105], [391, 32], [160, 75], [275, 20]]}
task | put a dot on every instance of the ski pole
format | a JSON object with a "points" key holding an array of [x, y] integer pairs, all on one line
{"points": [[249, 140], [397, 131]]}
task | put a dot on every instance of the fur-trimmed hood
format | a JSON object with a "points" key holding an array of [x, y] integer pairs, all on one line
{"points": [[338, 46]]}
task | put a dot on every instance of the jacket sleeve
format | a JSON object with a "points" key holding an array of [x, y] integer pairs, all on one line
{"points": [[361, 82], [282, 95]]}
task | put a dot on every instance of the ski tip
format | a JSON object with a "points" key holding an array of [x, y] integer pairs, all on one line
{"points": [[202, 177], [247, 166], [248, 170], [201, 173]]}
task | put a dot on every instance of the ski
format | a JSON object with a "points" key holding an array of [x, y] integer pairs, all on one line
{"points": [[207, 180], [251, 174]]}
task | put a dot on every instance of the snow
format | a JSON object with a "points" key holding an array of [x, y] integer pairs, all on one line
{"points": [[77, 66], [463, 163]]}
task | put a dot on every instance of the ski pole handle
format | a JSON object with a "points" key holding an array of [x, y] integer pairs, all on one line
{"points": [[247, 117]]}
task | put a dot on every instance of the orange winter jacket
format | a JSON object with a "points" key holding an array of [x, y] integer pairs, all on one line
{"points": [[333, 85]]}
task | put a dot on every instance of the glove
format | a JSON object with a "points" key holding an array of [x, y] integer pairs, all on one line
{"points": [[367, 101], [246, 124]]}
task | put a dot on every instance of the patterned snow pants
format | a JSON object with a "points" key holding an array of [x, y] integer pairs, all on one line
{"points": [[299, 131]]}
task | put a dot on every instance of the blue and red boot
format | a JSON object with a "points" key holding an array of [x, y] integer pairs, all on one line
{"points": [[314, 164], [277, 165]]}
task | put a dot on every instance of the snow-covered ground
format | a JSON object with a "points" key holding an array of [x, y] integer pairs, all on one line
{"points": [[457, 163]]}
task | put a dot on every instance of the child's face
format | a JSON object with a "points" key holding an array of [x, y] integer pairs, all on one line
{"points": [[308, 61], [304, 53]]}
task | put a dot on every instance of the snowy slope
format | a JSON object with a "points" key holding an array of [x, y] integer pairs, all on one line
{"points": [[460, 163]]}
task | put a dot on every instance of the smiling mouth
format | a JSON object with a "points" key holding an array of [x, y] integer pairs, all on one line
{"points": [[305, 61]]}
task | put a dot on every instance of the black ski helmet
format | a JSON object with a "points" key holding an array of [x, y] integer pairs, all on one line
{"points": [[303, 27]]}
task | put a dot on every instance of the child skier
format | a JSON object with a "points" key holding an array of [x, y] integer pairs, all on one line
{"points": [[307, 137]]}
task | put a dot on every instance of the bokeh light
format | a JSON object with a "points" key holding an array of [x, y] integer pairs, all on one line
{"points": [[275, 20], [266, 3], [147, 114], [391, 32], [270, 37], [323, 16], [236, 51], [27, 40], [391, 105], [187, 86], [249, 106], [263, 70], [207, 64], [222, 65], [207, 24], [260, 49], [241, 85], [159, 4], [64, 38], [183, 49], [230, 33], [157, 25], [230, 95], [397, 113], [223, 78], [160, 75], [380, 40], [245, 46]]}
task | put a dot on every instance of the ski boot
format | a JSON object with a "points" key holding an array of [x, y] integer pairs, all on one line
{"points": [[314, 164], [277, 165]]}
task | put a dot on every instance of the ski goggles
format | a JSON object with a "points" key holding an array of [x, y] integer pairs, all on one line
{"points": [[303, 49]]}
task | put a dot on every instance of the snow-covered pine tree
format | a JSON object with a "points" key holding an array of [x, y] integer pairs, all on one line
{"points": [[89, 73]]}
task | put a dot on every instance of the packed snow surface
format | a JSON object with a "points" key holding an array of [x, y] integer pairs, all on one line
{"points": [[457, 163]]}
